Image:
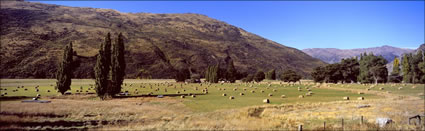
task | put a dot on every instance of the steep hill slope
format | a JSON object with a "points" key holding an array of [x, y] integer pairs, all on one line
{"points": [[34, 34], [333, 55]]}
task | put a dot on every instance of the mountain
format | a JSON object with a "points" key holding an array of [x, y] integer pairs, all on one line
{"points": [[33, 36], [333, 55], [421, 47]]}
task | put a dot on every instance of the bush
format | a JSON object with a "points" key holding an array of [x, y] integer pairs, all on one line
{"points": [[259, 76], [248, 78], [395, 78], [290, 76]]}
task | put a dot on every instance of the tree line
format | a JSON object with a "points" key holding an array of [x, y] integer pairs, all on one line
{"points": [[369, 68]]}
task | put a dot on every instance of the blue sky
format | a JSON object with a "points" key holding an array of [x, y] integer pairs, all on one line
{"points": [[301, 24]]}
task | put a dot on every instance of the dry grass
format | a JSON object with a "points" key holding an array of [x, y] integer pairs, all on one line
{"points": [[175, 114]]}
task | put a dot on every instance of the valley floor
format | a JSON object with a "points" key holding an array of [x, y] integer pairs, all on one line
{"points": [[151, 113]]}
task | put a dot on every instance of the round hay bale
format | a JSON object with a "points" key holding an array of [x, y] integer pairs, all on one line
{"points": [[382, 88], [36, 90], [252, 91], [184, 90], [178, 92], [270, 94], [182, 96], [231, 97], [244, 89], [307, 94], [346, 98], [300, 96], [234, 89], [368, 89], [38, 95], [282, 96], [262, 91], [48, 90], [400, 88], [224, 94], [193, 96], [241, 94], [360, 98], [266, 101], [274, 90], [360, 93]]}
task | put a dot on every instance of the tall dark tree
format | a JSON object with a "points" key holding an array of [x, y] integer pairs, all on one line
{"points": [[290, 76], [64, 73], [271, 75], [407, 74], [231, 71], [117, 65], [182, 75], [212, 74], [414, 67], [102, 68], [259, 76]]}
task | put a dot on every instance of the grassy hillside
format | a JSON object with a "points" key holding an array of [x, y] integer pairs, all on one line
{"points": [[34, 34]]}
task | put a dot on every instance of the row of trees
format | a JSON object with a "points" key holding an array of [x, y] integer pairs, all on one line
{"points": [[109, 69], [413, 68], [372, 69]]}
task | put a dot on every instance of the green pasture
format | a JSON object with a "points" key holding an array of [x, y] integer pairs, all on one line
{"points": [[405, 89], [214, 99]]}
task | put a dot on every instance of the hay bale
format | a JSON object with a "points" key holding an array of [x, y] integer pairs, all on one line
{"points": [[224, 94], [382, 88], [400, 88], [36, 90], [182, 96], [178, 92], [346, 98], [282, 96], [270, 94], [308, 94], [266, 101], [244, 89], [274, 90], [241, 94], [234, 89], [193, 96], [231, 97], [368, 89], [262, 91], [360, 98], [360, 93], [48, 90], [300, 96]]}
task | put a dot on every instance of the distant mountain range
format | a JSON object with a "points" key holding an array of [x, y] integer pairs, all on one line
{"points": [[333, 55]]}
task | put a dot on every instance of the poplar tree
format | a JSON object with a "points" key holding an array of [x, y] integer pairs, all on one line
{"points": [[231, 71], [64, 73], [396, 66], [406, 68], [117, 66], [102, 67]]}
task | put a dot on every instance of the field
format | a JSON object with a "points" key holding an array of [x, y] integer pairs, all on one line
{"points": [[209, 110]]}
